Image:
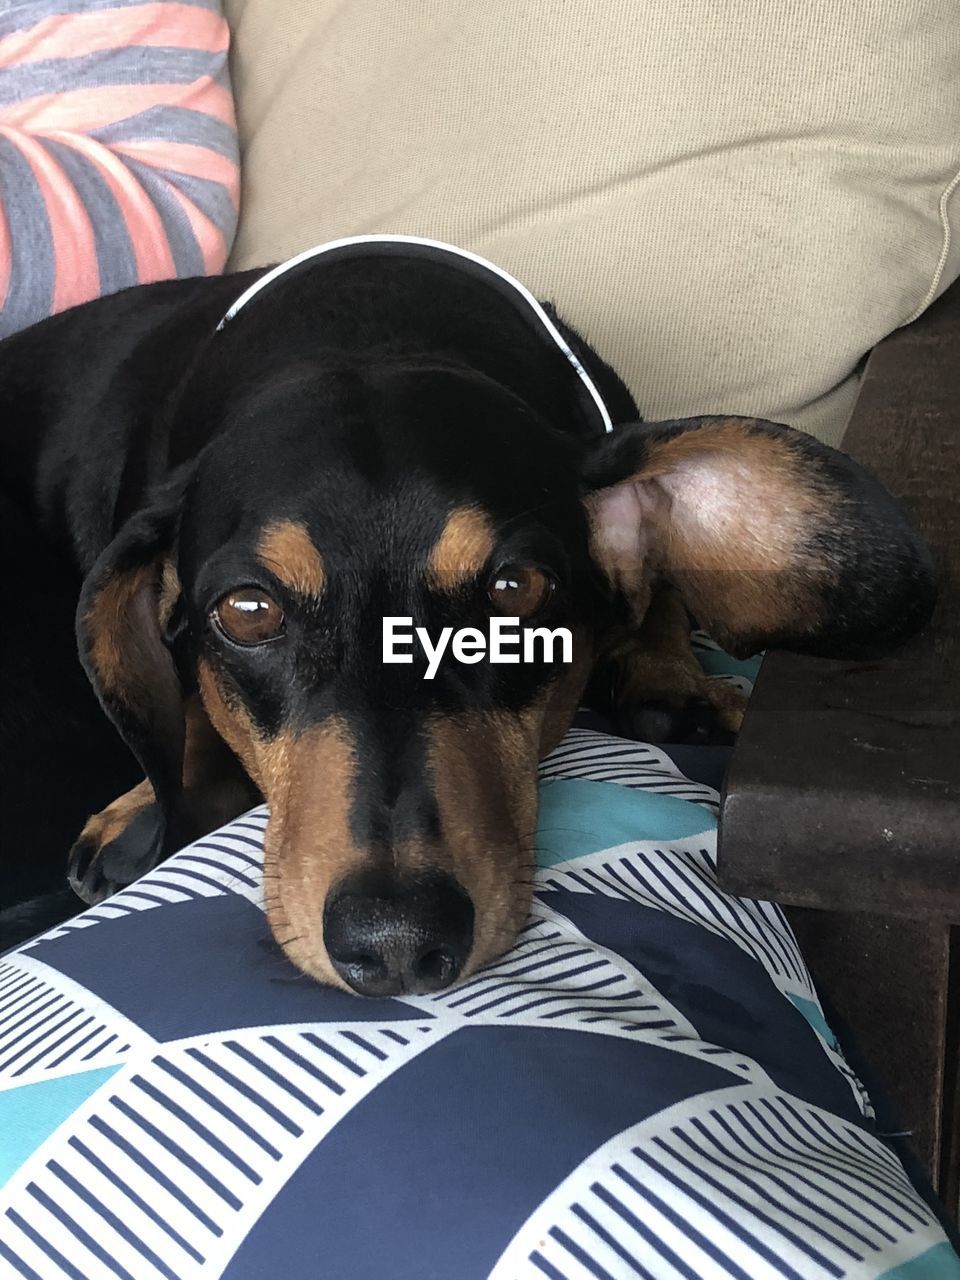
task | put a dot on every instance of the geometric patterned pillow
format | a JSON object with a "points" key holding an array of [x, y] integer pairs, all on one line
{"points": [[645, 1086]]}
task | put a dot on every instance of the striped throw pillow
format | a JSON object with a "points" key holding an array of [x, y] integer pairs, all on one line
{"points": [[118, 150]]}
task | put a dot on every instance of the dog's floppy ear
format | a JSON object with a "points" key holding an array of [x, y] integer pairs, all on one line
{"points": [[773, 539], [122, 619]]}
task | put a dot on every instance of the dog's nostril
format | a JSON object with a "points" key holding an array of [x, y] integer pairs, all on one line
{"points": [[365, 968], [81, 855], [437, 968], [386, 934]]}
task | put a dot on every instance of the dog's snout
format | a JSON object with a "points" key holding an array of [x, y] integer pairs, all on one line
{"points": [[385, 935]]}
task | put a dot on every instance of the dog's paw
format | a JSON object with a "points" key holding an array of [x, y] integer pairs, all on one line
{"points": [[710, 716], [117, 846]]}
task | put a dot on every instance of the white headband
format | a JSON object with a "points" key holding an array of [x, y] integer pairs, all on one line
{"points": [[275, 272]]}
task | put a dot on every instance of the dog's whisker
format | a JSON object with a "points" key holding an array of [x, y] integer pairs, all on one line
{"points": [[289, 979]]}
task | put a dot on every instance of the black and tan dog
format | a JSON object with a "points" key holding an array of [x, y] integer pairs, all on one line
{"points": [[383, 430]]}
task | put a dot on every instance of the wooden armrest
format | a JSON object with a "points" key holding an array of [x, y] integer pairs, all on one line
{"points": [[844, 787]]}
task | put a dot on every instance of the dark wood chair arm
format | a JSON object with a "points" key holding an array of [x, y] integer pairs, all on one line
{"points": [[844, 787]]}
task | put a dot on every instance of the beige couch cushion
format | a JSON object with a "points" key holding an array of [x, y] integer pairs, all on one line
{"points": [[732, 201]]}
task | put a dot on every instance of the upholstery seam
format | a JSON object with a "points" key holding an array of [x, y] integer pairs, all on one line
{"points": [[947, 231]]}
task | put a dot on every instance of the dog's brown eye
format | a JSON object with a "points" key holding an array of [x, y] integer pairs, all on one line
{"points": [[519, 590], [249, 616]]}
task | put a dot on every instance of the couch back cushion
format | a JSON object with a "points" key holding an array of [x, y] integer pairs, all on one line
{"points": [[732, 202]]}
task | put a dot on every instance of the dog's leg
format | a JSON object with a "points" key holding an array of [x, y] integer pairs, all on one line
{"points": [[648, 678], [109, 852]]}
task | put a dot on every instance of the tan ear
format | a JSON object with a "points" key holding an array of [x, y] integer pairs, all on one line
{"points": [[122, 614], [773, 539]]}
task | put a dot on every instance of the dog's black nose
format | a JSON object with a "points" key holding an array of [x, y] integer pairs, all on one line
{"points": [[386, 934]]}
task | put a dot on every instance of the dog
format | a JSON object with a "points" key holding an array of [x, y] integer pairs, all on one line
{"points": [[234, 480]]}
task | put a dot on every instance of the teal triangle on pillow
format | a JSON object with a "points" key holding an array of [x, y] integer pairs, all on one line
{"points": [[937, 1263], [579, 817], [30, 1113], [717, 663]]}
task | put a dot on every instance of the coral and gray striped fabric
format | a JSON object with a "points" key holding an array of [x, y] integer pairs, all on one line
{"points": [[644, 1087], [118, 152]]}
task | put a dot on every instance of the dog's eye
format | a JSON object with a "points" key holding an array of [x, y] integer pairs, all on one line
{"points": [[519, 590], [248, 616]]}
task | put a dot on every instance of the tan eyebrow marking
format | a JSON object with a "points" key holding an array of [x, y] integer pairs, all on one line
{"points": [[461, 551], [287, 550]]}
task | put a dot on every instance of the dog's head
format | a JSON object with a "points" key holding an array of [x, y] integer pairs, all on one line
{"points": [[452, 480]]}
